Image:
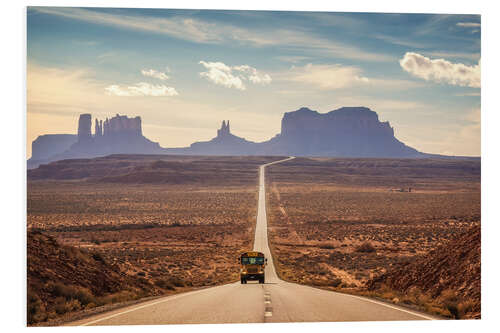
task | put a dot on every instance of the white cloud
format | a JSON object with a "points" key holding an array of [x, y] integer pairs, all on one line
{"points": [[141, 89], [328, 77], [233, 77], [155, 74], [441, 70], [253, 75], [220, 74], [469, 24]]}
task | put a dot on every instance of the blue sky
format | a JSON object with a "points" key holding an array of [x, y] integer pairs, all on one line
{"points": [[183, 71]]}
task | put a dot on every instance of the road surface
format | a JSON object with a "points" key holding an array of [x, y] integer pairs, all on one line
{"points": [[274, 301]]}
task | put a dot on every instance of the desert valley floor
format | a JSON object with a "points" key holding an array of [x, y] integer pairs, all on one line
{"points": [[174, 223]]}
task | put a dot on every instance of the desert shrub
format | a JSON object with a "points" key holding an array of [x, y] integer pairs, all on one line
{"points": [[73, 252], [84, 296], [164, 284], [177, 282], [336, 282], [366, 247], [63, 306], [450, 301], [98, 257], [58, 289], [70, 292], [465, 307], [122, 296], [36, 309]]}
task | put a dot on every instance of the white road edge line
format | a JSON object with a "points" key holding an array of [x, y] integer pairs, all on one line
{"points": [[168, 298], [366, 299], [266, 314], [358, 297], [392, 307]]}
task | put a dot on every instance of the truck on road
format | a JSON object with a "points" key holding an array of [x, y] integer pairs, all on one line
{"points": [[252, 267]]}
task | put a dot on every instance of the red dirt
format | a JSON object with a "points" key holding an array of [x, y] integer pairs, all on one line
{"points": [[455, 267]]}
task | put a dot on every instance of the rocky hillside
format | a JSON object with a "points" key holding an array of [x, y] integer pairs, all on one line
{"points": [[64, 279], [155, 169], [451, 274]]}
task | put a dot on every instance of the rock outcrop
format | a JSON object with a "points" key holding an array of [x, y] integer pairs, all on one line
{"points": [[48, 145], [117, 135], [224, 130], [122, 126], [84, 127], [225, 143], [345, 132]]}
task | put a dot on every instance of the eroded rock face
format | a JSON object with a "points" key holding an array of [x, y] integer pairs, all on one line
{"points": [[118, 135], [48, 145], [224, 130], [348, 131], [84, 127], [345, 132], [122, 125]]}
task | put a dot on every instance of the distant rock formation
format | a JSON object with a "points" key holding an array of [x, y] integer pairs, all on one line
{"points": [[122, 126], [84, 127], [48, 145], [117, 135], [345, 132], [98, 132], [225, 143], [224, 130]]}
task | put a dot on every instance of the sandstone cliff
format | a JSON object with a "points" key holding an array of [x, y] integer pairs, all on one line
{"points": [[48, 145], [116, 135], [345, 132]]}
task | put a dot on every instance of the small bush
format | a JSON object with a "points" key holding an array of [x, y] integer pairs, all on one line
{"points": [[465, 307], [177, 282], [164, 284], [366, 247], [336, 282], [450, 301], [98, 257], [36, 309], [84, 296], [62, 306]]}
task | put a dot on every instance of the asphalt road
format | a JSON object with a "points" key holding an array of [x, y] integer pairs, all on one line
{"points": [[274, 301]]}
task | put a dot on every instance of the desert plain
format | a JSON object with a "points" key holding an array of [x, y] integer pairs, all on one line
{"points": [[174, 223]]}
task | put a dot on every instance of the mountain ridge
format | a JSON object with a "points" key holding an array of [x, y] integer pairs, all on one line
{"points": [[344, 132]]}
